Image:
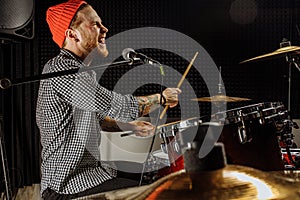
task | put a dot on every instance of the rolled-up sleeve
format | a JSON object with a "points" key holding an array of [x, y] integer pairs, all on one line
{"points": [[123, 107]]}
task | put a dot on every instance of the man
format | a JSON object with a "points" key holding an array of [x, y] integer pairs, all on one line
{"points": [[72, 109]]}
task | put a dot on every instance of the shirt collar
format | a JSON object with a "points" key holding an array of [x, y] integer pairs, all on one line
{"points": [[70, 53]]}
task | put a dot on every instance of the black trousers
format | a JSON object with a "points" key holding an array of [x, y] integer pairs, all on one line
{"points": [[124, 179], [113, 184]]}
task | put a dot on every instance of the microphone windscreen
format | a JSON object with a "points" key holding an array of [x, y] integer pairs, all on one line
{"points": [[126, 53]]}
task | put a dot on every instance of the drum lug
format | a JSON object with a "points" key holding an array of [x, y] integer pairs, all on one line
{"points": [[262, 120], [286, 135], [242, 134], [176, 147], [164, 148]]}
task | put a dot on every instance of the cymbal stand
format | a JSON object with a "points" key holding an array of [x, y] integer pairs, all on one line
{"points": [[292, 60], [220, 87]]}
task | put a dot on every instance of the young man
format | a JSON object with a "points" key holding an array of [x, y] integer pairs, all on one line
{"points": [[72, 109]]}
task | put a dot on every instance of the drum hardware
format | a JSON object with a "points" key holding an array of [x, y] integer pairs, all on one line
{"points": [[291, 158], [286, 138], [285, 134], [171, 129], [219, 98], [278, 116], [171, 146], [156, 165], [242, 133], [214, 160], [287, 51]]}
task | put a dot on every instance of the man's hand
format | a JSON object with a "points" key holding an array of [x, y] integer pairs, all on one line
{"points": [[171, 95], [152, 102], [142, 128], [139, 128]]}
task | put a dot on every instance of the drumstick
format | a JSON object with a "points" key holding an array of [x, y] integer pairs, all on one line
{"points": [[180, 83]]}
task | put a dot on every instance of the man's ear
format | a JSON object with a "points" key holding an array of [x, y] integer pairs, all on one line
{"points": [[72, 35]]}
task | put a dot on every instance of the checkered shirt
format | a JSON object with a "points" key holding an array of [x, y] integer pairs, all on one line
{"points": [[69, 111]]}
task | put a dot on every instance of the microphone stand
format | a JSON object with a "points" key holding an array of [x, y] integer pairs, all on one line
{"points": [[6, 83]]}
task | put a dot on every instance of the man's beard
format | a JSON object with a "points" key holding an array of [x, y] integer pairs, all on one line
{"points": [[97, 54], [102, 49]]}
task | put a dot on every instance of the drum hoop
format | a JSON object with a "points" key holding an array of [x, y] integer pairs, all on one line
{"points": [[170, 129], [261, 111]]}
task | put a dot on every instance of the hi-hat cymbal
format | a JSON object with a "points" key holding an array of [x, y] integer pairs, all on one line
{"points": [[220, 98], [279, 52]]}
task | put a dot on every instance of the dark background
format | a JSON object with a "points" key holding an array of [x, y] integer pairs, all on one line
{"points": [[230, 31]]}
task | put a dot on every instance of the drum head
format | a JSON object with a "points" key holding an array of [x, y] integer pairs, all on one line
{"points": [[161, 157]]}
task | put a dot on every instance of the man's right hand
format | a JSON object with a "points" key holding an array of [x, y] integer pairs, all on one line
{"points": [[171, 96]]}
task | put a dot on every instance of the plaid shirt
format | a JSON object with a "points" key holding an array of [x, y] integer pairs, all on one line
{"points": [[69, 111]]}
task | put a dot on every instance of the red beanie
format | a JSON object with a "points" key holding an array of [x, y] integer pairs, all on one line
{"points": [[59, 18]]}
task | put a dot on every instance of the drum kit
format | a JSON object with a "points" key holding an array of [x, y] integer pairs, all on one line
{"points": [[254, 157], [256, 138]]}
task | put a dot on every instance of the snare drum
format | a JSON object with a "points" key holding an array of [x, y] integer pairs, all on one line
{"points": [[172, 142], [250, 135]]}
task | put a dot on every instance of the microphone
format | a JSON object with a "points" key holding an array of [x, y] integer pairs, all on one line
{"points": [[130, 54]]}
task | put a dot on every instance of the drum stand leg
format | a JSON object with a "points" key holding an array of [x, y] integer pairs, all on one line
{"points": [[4, 164], [289, 89], [292, 61]]}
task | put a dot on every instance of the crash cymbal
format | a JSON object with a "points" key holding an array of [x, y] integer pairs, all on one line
{"points": [[231, 182], [279, 52], [220, 98]]}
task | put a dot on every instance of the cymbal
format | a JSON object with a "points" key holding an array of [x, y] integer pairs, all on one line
{"points": [[279, 52], [231, 182], [220, 98]]}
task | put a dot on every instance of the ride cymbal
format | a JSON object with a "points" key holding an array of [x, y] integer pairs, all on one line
{"points": [[220, 98], [279, 52]]}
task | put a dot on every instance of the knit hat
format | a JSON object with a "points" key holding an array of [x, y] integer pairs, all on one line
{"points": [[59, 18]]}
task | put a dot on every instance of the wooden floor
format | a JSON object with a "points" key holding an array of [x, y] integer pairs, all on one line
{"points": [[27, 193]]}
